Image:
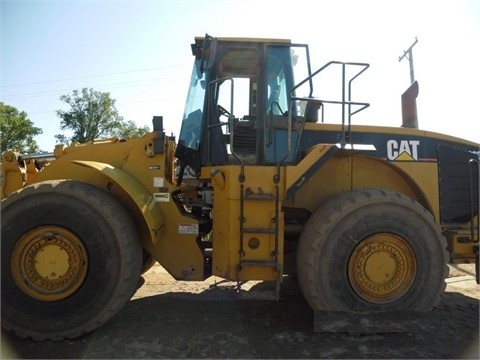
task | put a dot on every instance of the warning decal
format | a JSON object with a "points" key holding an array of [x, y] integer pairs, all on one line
{"points": [[188, 228]]}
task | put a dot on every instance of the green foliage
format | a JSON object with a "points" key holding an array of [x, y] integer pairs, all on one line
{"points": [[92, 116], [129, 129], [17, 131]]}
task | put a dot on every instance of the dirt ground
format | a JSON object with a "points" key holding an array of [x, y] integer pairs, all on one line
{"points": [[169, 319]]}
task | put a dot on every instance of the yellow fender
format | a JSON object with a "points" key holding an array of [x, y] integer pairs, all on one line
{"points": [[141, 197]]}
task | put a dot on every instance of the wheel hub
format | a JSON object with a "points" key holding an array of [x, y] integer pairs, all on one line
{"points": [[382, 268], [49, 263]]}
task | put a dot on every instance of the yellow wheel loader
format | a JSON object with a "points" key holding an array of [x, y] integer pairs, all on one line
{"points": [[268, 177]]}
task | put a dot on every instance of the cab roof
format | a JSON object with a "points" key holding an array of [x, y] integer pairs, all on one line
{"points": [[199, 39]]}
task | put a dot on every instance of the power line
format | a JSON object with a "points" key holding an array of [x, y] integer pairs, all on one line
{"points": [[110, 86], [93, 76]]}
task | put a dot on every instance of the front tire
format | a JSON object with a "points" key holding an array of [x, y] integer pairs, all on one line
{"points": [[71, 259], [372, 250]]}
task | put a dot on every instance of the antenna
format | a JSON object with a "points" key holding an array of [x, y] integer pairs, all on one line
{"points": [[409, 55]]}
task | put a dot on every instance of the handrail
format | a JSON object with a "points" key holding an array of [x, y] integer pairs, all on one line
{"points": [[346, 100]]}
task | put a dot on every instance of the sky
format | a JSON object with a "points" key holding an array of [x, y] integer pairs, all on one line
{"points": [[139, 52]]}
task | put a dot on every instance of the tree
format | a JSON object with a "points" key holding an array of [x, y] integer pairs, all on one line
{"points": [[92, 116], [129, 129], [17, 131]]}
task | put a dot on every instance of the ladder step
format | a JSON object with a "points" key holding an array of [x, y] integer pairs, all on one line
{"points": [[259, 196], [264, 263], [258, 231]]}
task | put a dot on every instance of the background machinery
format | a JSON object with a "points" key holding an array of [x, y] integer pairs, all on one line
{"points": [[267, 178]]}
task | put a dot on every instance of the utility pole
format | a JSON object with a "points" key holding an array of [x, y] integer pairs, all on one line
{"points": [[409, 97], [409, 55]]}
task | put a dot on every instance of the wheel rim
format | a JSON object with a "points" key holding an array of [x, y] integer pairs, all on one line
{"points": [[49, 263], [382, 268]]}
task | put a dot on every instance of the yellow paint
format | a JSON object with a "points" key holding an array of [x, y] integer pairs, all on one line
{"points": [[257, 214], [382, 268], [49, 263], [127, 170], [141, 197]]}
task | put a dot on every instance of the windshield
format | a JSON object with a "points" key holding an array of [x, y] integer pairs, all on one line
{"points": [[191, 131]]}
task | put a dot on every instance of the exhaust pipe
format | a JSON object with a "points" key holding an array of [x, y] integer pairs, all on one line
{"points": [[409, 107]]}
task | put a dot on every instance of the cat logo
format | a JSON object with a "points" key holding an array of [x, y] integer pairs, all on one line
{"points": [[403, 150]]}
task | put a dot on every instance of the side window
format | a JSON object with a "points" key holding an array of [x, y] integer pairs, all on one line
{"points": [[277, 92], [240, 107], [282, 132], [237, 114], [301, 71], [240, 65], [237, 99]]}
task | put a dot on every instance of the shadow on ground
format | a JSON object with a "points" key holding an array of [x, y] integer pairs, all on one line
{"points": [[216, 324]]}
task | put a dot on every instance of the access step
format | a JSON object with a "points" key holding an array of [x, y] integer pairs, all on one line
{"points": [[260, 195], [259, 231], [263, 263]]}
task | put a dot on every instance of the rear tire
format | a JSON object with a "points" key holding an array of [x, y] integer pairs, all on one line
{"points": [[372, 250], [71, 259]]}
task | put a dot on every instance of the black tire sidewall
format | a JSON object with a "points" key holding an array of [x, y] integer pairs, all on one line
{"points": [[93, 302], [339, 234]]}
